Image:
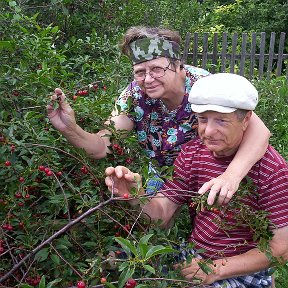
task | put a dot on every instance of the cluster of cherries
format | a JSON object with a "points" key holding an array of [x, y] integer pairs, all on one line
{"points": [[48, 171], [85, 92]]}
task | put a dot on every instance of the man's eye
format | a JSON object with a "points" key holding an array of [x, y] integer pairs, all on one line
{"points": [[201, 119]]}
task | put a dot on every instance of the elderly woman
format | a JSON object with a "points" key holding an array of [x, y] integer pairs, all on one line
{"points": [[159, 110]]}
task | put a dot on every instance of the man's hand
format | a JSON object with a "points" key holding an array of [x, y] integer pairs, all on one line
{"points": [[120, 180], [193, 271], [224, 186], [62, 117]]}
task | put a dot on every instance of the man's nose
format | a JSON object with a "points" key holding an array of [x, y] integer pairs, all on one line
{"points": [[210, 129]]}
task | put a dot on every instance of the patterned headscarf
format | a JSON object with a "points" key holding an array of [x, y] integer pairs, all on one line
{"points": [[147, 49]]}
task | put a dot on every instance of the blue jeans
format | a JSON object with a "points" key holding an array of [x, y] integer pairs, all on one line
{"points": [[154, 182]]}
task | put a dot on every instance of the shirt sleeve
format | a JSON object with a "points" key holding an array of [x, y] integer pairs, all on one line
{"points": [[178, 189], [122, 102], [274, 198]]}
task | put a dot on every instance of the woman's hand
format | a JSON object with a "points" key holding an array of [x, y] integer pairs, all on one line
{"points": [[120, 180], [223, 188], [63, 117]]}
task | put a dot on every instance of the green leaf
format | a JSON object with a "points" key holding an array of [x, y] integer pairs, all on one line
{"points": [[55, 258], [126, 245], [149, 268], [123, 266], [6, 45], [42, 255], [145, 239], [205, 268], [124, 276], [25, 286], [157, 250], [52, 283], [42, 282], [143, 248], [12, 3]]}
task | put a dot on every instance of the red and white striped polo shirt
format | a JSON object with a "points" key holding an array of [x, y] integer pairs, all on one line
{"points": [[196, 165]]}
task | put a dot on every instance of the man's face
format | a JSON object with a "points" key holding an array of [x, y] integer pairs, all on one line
{"points": [[157, 87], [222, 133]]}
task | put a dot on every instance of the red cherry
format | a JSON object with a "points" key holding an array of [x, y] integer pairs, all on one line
{"points": [[12, 148], [27, 196], [9, 227], [83, 92], [116, 146], [126, 196], [2, 249], [84, 170], [21, 179], [131, 283], [41, 168], [117, 234], [59, 173], [18, 195], [7, 163], [127, 228], [49, 173], [21, 204], [129, 160], [21, 224], [16, 93], [104, 88], [103, 280], [81, 284], [46, 169]]}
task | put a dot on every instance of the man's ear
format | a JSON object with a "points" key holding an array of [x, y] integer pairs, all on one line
{"points": [[246, 120]]}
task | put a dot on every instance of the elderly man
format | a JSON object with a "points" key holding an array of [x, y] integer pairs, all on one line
{"points": [[223, 103]]}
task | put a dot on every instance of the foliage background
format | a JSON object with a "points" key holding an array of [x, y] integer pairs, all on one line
{"points": [[71, 44]]}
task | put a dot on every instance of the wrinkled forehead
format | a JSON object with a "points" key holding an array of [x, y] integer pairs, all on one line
{"points": [[160, 61], [218, 115]]}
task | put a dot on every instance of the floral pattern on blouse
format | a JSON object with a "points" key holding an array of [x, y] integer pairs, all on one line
{"points": [[161, 132]]}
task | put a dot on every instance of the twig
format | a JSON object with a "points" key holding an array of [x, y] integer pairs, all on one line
{"points": [[64, 260], [54, 236]]}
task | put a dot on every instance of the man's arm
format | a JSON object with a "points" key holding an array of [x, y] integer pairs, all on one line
{"points": [[120, 180], [251, 150], [243, 264]]}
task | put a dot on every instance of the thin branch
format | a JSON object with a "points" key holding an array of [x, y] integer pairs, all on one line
{"points": [[65, 261], [54, 236]]}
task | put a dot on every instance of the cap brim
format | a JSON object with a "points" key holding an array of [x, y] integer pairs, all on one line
{"points": [[203, 108]]}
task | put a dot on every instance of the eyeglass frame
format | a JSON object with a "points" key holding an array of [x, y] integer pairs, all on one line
{"points": [[145, 73]]}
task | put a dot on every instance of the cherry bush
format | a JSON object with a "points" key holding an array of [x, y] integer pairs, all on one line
{"points": [[59, 226]]}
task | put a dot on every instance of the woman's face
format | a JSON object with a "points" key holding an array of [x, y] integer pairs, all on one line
{"points": [[157, 88]]}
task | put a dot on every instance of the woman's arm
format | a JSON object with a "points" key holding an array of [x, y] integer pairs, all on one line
{"points": [[95, 145], [251, 150]]}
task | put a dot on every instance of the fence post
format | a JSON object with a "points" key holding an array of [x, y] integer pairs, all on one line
{"points": [[243, 53], [186, 48], [280, 54], [234, 46], [252, 55], [261, 56], [224, 52]]}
